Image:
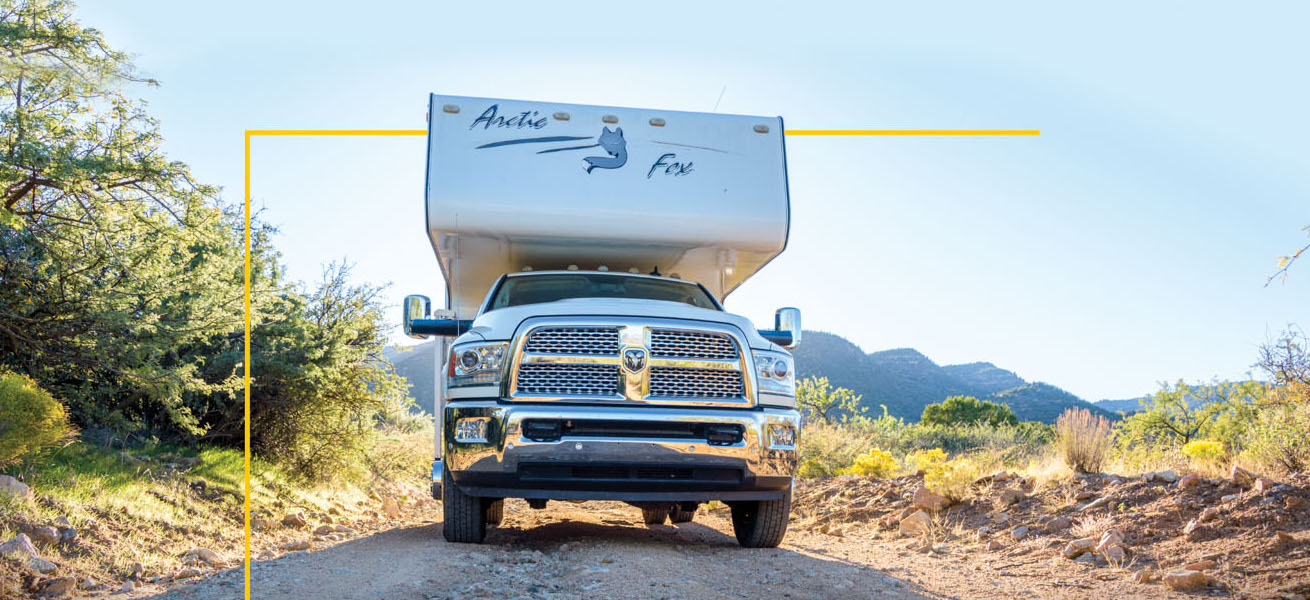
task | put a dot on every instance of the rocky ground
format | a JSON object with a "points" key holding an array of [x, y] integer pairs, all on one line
{"points": [[1162, 536]]}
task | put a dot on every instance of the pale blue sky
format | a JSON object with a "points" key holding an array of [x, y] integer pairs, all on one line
{"points": [[1126, 245]]}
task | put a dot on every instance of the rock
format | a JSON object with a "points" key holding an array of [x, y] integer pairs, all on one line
{"points": [[1058, 524], [1208, 514], [20, 547], [186, 574], [995, 545], [1020, 532], [62, 523], [1200, 565], [44, 535], [258, 524], [1086, 558], [1115, 554], [1196, 532], [334, 511], [66, 534], [1143, 576], [1189, 482], [1078, 547], [339, 528], [1009, 497], [1084, 495], [13, 487], [208, 556], [1112, 537], [1230, 498], [390, 508], [1098, 503], [324, 529], [915, 524], [1001, 518], [89, 584], [266, 555], [1166, 476], [1263, 485], [1293, 502], [1283, 537], [58, 587], [1241, 477], [137, 570], [929, 500], [127, 587], [296, 520], [294, 546], [1183, 580]]}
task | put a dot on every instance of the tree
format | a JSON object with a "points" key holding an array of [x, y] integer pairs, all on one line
{"points": [[820, 400], [1285, 262], [1179, 414], [1286, 361], [967, 410]]}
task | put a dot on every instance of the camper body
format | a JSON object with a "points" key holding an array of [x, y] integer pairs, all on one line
{"points": [[586, 252]]}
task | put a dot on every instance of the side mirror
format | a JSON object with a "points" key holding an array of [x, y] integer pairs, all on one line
{"points": [[786, 330], [416, 319]]}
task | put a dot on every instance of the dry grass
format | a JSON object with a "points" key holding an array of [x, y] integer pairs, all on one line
{"points": [[1083, 440], [1092, 526]]}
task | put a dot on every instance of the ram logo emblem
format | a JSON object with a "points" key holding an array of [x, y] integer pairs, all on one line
{"points": [[634, 359]]}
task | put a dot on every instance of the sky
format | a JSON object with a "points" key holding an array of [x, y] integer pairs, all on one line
{"points": [[1128, 244]]}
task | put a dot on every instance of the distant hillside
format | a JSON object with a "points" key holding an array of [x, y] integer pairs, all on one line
{"points": [[903, 379], [906, 381], [1123, 407]]}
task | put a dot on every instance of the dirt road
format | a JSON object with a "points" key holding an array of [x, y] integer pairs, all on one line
{"points": [[592, 550]]}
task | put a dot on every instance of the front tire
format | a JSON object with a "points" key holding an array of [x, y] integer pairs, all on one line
{"points": [[761, 523], [465, 516]]}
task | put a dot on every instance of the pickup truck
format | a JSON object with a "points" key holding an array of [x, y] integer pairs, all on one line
{"points": [[586, 354]]}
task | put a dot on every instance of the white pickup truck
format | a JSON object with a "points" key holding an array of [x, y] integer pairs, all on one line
{"points": [[586, 252]]}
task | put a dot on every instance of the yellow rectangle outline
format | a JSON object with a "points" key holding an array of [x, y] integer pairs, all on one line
{"points": [[373, 132]]}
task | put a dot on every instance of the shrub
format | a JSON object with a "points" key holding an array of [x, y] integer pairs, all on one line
{"points": [[952, 478], [31, 419], [1209, 452], [1278, 438], [926, 460], [830, 448], [1083, 439], [877, 463], [967, 410], [811, 468]]}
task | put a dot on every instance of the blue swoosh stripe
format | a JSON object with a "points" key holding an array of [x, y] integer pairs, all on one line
{"points": [[552, 138]]}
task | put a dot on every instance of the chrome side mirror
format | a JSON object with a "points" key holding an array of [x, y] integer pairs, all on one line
{"points": [[789, 320], [414, 308]]}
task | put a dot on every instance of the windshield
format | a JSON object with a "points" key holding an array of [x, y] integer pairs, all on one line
{"points": [[535, 289]]}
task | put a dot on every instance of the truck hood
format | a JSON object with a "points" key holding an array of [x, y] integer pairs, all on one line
{"points": [[500, 324]]}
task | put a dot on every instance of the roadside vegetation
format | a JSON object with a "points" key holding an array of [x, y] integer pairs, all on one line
{"points": [[121, 335]]}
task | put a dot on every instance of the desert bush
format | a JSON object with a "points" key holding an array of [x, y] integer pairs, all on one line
{"points": [[1208, 452], [31, 419], [952, 478], [877, 463], [967, 410], [822, 402], [1278, 438], [827, 449], [923, 460], [1083, 439]]}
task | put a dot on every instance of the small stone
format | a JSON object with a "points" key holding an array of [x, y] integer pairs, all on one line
{"points": [[45, 535], [1086, 558], [984, 531], [66, 534], [127, 587], [62, 522], [58, 587], [1114, 554], [1166, 476], [1009, 497], [995, 545], [1208, 514], [324, 529], [21, 548], [1019, 533], [1189, 482], [1078, 547], [1284, 537], [1184, 580], [915, 524], [929, 500], [1292, 502], [1241, 477], [186, 574], [1098, 503], [295, 520], [1112, 537], [390, 508], [207, 556], [89, 584], [1001, 517], [1230, 498], [137, 570], [1263, 485], [1200, 565], [339, 528], [334, 511], [295, 546], [1143, 576], [1058, 524], [13, 487]]}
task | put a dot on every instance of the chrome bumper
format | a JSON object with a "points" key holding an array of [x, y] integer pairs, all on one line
{"points": [[508, 464]]}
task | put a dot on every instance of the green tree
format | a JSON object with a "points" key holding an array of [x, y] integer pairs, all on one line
{"points": [[818, 399], [1181, 413], [967, 410]]}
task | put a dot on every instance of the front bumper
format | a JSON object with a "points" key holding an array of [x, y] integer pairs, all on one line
{"points": [[627, 465]]}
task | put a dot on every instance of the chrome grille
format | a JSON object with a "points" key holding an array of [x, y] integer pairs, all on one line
{"points": [[574, 340], [674, 382], [676, 343], [569, 380]]}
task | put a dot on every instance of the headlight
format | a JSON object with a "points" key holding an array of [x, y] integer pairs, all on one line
{"points": [[775, 373], [476, 363]]}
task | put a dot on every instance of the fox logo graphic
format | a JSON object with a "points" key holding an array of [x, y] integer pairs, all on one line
{"points": [[612, 143]]}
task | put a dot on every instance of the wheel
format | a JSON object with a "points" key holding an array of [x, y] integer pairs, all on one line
{"points": [[761, 523], [465, 516], [495, 511], [678, 515], [654, 516]]}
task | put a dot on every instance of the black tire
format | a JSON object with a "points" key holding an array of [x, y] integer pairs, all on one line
{"points": [[495, 511], [465, 516], [761, 523], [678, 515], [654, 516]]}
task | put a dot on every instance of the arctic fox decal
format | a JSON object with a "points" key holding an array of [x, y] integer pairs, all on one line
{"points": [[612, 143]]}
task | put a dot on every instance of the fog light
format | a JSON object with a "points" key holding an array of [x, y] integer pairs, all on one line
{"points": [[782, 435], [471, 430]]}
